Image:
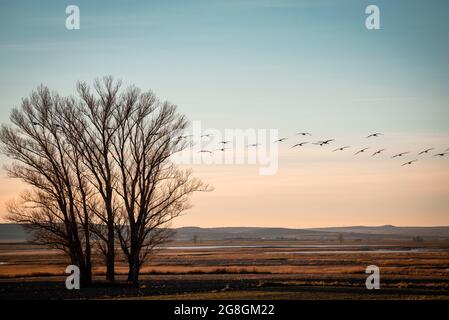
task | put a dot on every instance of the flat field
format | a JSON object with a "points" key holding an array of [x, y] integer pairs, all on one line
{"points": [[242, 270]]}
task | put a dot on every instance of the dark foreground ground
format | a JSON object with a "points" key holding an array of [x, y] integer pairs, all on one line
{"points": [[212, 287], [269, 270]]}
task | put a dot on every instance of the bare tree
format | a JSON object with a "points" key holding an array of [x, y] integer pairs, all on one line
{"points": [[57, 206], [153, 189], [90, 127], [100, 168]]}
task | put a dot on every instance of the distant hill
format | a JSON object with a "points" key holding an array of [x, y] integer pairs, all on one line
{"points": [[11, 232], [248, 233], [356, 232], [16, 233], [391, 230]]}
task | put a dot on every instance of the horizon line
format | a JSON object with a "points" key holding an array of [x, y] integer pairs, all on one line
{"points": [[297, 228]]}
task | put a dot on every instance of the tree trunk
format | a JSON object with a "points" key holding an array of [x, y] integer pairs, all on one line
{"points": [[85, 268], [133, 272], [85, 276], [88, 250], [110, 256], [88, 270]]}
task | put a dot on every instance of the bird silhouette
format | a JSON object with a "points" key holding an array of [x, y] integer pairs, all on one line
{"points": [[253, 145], [425, 151], [35, 123], [374, 135], [441, 154], [221, 149], [206, 135], [281, 140], [361, 151], [409, 163], [378, 152], [399, 155], [224, 142], [205, 151], [299, 145], [341, 149], [303, 134], [324, 142]]}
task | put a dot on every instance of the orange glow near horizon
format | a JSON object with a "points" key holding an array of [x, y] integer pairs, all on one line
{"points": [[315, 188]]}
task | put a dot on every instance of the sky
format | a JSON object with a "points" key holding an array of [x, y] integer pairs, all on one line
{"points": [[308, 65]]}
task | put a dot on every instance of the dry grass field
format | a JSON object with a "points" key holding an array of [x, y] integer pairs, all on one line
{"points": [[244, 270]]}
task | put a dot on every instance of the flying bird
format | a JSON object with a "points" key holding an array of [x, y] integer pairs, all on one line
{"points": [[399, 155], [361, 151], [303, 134], [324, 142], [441, 154], [224, 142], [281, 140], [378, 152], [374, 135], [253, 145], [341, 149], [409, 163], [426, 151], [206, 135], [205, 151], [299, 145], [221, 149]]}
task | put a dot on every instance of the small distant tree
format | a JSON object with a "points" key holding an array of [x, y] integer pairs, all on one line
{"points": [[340, 237]]}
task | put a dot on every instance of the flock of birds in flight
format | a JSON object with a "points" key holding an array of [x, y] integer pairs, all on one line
{"points": [[322, 143]]}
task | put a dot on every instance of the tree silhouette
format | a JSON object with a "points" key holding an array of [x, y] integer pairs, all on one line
{"points": [[56, 206], [100, 170]]}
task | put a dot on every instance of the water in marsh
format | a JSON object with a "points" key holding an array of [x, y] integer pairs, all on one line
{"points": [[327, 249]]}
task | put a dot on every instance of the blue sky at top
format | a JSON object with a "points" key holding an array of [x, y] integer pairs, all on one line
{"points": [[283, 64]]}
